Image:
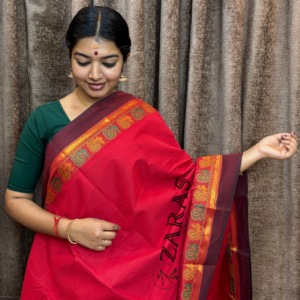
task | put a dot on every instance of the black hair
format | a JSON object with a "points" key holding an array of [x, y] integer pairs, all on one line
{"points": [[98, 21]]}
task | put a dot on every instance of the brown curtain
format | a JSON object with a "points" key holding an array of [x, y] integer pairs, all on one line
{"points": [[223, 74]]}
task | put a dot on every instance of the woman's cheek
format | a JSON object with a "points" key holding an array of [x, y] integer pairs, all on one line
{"points": [[82, 74], [112, 75]]}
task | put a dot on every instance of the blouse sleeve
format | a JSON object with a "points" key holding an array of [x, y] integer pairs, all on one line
{"points": [[29, 160]]}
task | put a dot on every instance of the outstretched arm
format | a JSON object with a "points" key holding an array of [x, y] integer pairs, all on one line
{"points": [[278, 146]]}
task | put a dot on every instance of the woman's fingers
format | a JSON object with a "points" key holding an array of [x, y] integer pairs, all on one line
{"points": [[290, 146], [99, 248], [108, 235], [95, 234], [106, 243], [290, 137], [290, 140], [103, 243], [294, 139], [108, 232], [107, 226], [289, 150]]}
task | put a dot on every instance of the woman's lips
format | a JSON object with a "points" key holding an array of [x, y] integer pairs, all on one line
{"points": [[96, 86]]}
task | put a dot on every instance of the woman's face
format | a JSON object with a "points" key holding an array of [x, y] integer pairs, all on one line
{"points": [[90, 58]]}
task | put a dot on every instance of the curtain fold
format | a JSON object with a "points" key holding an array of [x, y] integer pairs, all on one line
{"points": [[136, 70], [213, 112], [185, 18], [168, 64], [271, 104], [223, 74], [152, 11], [11, 121]]}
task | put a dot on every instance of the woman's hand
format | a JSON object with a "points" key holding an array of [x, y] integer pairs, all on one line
{"points": [[93, 233], [278, 146]]}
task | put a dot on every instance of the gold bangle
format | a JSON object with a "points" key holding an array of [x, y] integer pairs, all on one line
{"points": [[68, 231]]}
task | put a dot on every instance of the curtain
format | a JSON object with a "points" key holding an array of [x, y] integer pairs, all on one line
{"points": [[223, 74]]}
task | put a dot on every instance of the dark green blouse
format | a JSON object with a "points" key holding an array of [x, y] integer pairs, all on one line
{"points": [[38, 131]]}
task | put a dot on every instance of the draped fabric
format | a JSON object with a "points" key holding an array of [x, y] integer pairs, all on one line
{"points": [[223, 74], [184, 226]]}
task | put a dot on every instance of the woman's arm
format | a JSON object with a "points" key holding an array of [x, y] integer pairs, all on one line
{"points": [[88, 232], [277, 146]]}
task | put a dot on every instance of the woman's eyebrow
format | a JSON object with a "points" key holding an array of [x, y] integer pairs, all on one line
{"points": [[103, 57], [81, 54], [110, 56]]}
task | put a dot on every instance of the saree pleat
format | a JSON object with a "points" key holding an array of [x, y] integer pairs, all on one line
{"points": [[179, 220]]}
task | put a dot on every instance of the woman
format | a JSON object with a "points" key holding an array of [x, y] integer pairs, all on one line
{"points": [[127, 213]]}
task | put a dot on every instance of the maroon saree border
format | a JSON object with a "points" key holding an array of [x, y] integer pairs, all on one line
{"points": [[243, 253]]}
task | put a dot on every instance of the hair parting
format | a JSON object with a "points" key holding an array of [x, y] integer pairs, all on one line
{"points": [[98, 24]]}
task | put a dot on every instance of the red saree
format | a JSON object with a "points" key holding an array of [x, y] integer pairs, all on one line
{"points": [[184, 228]]}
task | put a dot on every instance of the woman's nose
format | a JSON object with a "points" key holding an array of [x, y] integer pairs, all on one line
{"points": [[95, 74]]}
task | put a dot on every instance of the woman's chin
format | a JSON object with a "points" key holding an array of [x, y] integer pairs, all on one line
{"points": [[96, 94]]}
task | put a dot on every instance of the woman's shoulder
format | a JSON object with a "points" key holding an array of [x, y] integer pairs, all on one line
{"points": [[149, 109], [132, 97], [51, 104], [51, 112], [44, 109], [46, 120], [43, 113], [48, 107]]}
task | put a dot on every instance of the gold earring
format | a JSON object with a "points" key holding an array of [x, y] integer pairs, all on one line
{"points": [[122, 78], [71, 75]]}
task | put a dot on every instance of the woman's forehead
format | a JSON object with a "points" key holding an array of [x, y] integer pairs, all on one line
{"points": [[90, 44]]}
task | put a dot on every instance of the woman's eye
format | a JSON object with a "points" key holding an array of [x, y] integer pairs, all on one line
{"points": [[83, 64], [109, 65]]}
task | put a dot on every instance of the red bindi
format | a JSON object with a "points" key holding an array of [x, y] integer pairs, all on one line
{"points": [[96, 53]]}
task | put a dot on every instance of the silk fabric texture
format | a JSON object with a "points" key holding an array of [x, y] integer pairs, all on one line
{"points": [[184, 226]]}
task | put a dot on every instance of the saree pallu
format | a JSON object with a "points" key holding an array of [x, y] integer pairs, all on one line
{"points": [[184, 227]]}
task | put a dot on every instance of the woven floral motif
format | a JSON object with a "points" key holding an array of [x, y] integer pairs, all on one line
{"points": [[65, 171], [198, 212], [231, 269], [200, 194], [94, 140], [79, 157], [199, 228], [205, 162], [194, 232], [50, 196], [95, 144], [125, 122], [138, 113], [110, 132], [191, 252], [148, 108], [203, 176], [186, 293], [56, 183], [189, 272]]}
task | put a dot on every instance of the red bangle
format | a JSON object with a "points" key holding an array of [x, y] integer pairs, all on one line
{"points": [[55, 226]]}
